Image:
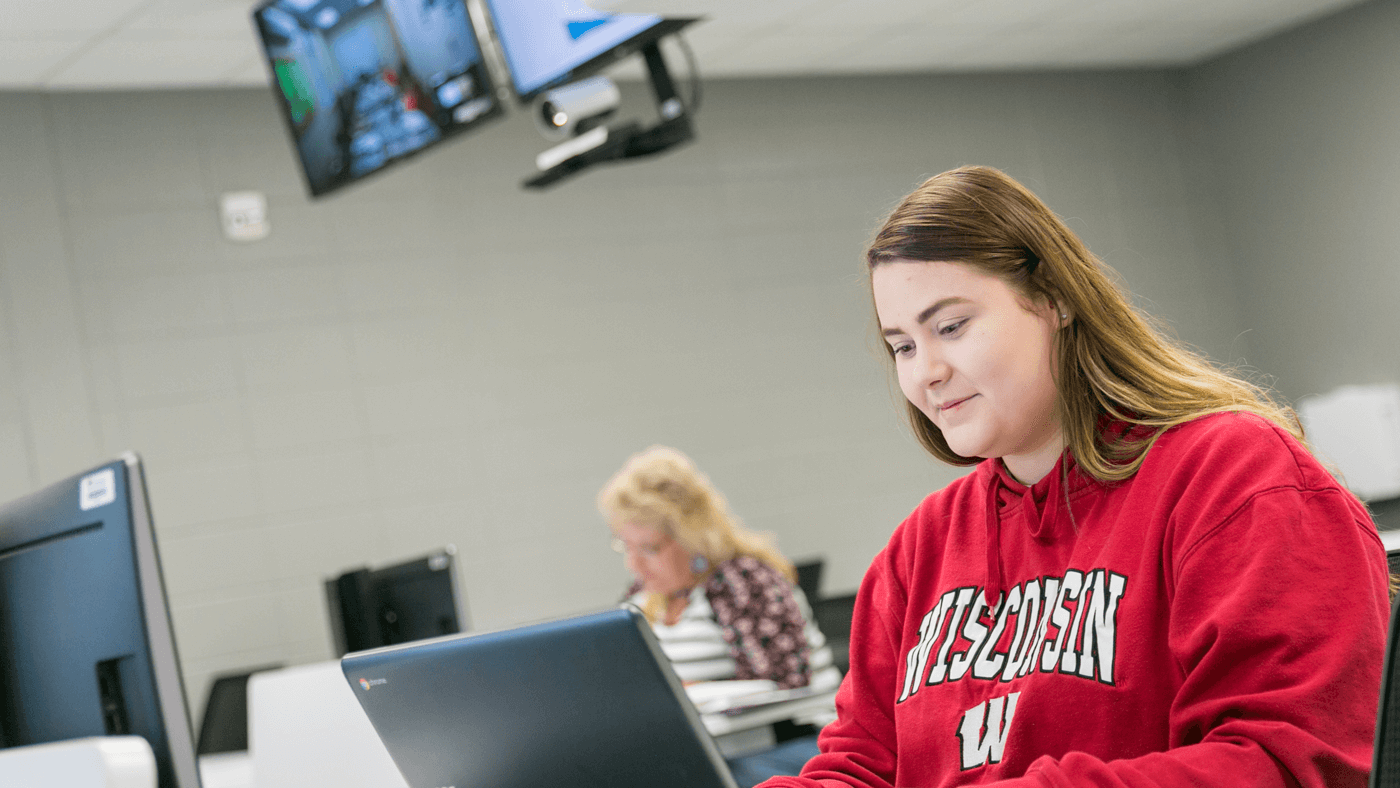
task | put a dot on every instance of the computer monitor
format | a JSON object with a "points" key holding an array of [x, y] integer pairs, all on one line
{"points": [[363, 84], [86, 643], [409, 601], [550, 42]]}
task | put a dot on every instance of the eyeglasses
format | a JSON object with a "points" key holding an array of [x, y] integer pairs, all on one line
{"points": [[643, 550]]}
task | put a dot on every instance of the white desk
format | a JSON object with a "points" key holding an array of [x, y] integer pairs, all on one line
{"points": [[750, 730], [94, 762], [307, 730], [722, 724], [226, 770]]}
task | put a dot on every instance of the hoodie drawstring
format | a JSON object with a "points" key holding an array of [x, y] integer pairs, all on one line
{"points": [[1038, 524], [993, 536]]}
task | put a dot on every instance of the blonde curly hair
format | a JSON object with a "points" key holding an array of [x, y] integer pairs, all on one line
{"points": [[661, 488]]}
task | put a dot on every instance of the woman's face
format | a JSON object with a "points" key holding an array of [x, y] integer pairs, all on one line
{"points": [[974, 359], [657, 560]]}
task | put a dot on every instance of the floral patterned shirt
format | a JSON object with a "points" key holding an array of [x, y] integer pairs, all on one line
{"points": [[760, 620]]}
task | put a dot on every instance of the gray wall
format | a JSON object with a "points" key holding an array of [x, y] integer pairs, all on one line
{"points": [[1301, 135], [1300, 139], [436, 356]]}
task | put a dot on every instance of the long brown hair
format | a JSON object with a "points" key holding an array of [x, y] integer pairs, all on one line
{"points": [[1112, 360]]}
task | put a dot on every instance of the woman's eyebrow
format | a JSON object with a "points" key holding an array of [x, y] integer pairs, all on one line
{"points": [[929, 312]]}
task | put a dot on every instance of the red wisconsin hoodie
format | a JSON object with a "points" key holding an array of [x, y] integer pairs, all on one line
{"points": [[1217, 619]]}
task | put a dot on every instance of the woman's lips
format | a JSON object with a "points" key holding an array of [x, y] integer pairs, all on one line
{"points": [[954, 404]]}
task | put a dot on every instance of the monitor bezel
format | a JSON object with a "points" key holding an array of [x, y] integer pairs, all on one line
{"points": [[492, 89], [665, 26], [160, 629]]}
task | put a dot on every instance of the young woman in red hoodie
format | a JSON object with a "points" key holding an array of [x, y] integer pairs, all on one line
{"points": [[1146, 580]]}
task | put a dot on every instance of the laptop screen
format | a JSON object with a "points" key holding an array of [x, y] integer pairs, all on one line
{"points": [[582, 701]]}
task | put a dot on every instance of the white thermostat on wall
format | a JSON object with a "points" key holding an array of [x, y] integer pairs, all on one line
{"points": [[244, 215]]}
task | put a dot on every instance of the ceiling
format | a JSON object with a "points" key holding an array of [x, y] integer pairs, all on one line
{"points": [[142, 44]]}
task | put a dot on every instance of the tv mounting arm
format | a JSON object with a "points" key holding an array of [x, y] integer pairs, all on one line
{"points": [[624, 141]]}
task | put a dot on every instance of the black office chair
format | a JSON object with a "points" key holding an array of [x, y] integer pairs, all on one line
{"points": [[809, 579], [1385, 764], [833, 615], [224, 727]]}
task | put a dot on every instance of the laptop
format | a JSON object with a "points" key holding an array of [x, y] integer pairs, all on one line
{"points": [[584, 701]]}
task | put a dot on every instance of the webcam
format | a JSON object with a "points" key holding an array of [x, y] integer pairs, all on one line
{"points": [[575, 108]]}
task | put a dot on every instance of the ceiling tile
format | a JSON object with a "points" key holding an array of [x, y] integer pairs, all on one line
{"points": [[195, 17], [780, 54], [136, 43], [253, 72], [664, 7], [25, 62], [33, 17], [874, 14], [914, 49], [712, 41], [774, 15], [131, 60]]}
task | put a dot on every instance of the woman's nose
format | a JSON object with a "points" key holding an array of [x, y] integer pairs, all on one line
{"points": [[932, 369]]}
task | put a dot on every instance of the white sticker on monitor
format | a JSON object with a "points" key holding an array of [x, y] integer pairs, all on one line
{"points": [[97, 489]]}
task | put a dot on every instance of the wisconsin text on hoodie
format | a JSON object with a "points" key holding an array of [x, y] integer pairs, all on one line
{"points": [[1048, 624]]}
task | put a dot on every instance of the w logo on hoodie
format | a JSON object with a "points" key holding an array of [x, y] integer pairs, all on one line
{"points": [[984, 730]]}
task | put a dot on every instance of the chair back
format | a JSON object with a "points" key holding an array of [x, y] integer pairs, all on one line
{"points": [[1385, 766]]}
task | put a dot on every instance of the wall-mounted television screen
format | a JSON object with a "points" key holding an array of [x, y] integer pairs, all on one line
{"points": [[550, 42], [366, 83]]}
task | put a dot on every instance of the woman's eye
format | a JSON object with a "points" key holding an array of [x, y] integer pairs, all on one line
{"points": [[903, 349], [951, 328]]}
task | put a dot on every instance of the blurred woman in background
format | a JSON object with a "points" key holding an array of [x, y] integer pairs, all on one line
{"points": [[720, 598]]}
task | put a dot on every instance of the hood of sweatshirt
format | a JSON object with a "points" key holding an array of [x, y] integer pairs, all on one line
{"points": [[1041, 511]]}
